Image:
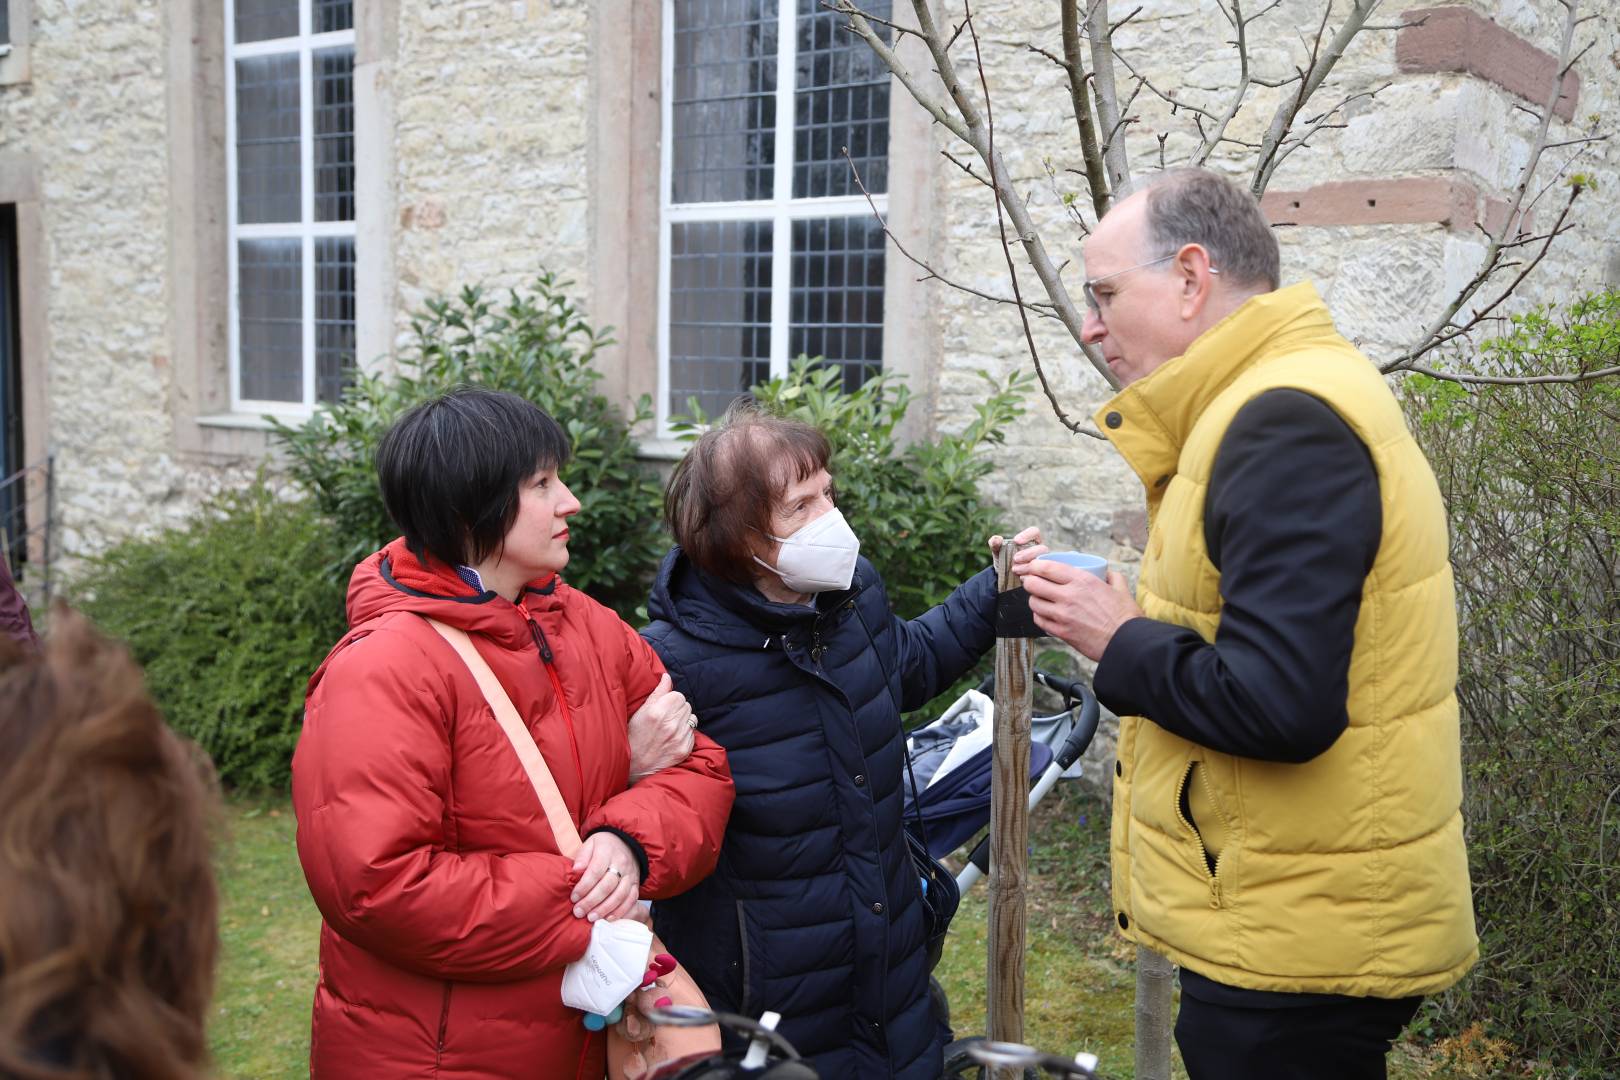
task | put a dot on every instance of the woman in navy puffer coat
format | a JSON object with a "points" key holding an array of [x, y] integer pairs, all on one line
{"points": [[782, 640]]}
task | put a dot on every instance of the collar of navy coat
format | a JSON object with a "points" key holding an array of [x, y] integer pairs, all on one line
{"points": [[740, 616]]}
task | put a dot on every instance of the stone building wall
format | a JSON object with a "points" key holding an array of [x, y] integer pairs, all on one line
{"points": [[490, 150], [491, 145], [90, 124]]}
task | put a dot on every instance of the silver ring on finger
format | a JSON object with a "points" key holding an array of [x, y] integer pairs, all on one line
{"points": [[691, 722]]}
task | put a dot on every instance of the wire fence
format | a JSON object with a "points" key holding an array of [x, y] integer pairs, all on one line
{"points": [[27, 529]]}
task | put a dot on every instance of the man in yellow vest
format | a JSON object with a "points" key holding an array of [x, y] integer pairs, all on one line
{"points": [[1286, 822]]}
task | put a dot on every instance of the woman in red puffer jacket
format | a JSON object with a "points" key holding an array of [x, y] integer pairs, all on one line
{"points": [[448, 913]]}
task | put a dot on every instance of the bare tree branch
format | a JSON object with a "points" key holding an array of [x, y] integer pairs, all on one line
{"points": [[1107, 93], [1116, 27], [1321, 122], [1080, 99], [1241, 25], [967, 125], [1065, 199], [1565, 70], [1125, 119], [1058, 60], [896, 27], [967, 167], [1176, 104], [946, 69], [1552, 181], [1322, 64], [929, 273], [1277, 84], [1444, 327], [1585, 140], [1001, 224], [932, 105], [1511, 380]]}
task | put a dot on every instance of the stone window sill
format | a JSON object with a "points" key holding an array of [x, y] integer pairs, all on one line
{"points": [[13, 63], [661, 449], [238, 421]]}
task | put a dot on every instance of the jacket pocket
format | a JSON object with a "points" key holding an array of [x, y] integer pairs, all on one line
{"points": [[1205, 826], [747, 963], [444, 1027]]}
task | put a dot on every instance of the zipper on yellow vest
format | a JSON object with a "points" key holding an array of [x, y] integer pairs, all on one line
{"points": [[1203, 852]]}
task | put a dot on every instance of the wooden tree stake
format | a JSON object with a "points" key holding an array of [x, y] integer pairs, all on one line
{"points": [[1009, 829], [1155, 977]]}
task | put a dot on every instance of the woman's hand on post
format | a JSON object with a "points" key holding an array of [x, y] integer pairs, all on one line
{"points": [[661, 731], [1030, 536], [609, 880]]}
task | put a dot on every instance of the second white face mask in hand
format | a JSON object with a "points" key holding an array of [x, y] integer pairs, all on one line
{"points": [[820, 557], [611, 968]]}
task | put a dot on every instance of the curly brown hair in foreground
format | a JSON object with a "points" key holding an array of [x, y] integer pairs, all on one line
{"points": [[108, 909]]}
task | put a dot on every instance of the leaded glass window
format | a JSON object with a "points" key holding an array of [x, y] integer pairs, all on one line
{"points": [[290, 124], [769, 248]]}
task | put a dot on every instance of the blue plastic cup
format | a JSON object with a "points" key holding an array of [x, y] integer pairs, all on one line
{"points": [[1095, 565]]}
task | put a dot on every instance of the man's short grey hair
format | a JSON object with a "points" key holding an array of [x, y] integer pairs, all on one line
{"points": [[1197, 206]]}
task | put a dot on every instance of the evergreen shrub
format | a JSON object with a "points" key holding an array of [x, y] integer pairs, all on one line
{"points": [[1531, 477], [536, 344], [229, 615]]}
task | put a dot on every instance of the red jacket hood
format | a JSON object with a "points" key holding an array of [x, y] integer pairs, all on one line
{"points": [[394, 579]]}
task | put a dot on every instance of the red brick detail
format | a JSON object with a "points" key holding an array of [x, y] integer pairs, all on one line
{"points": [[1411, 200], [1130, 528], [1462, 40]]}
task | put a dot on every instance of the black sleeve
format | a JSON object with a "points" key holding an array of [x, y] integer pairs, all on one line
{"points": [[1292, 521]]}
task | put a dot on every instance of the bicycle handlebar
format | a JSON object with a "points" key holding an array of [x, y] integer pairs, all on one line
{"points": [[1019, 1056]]}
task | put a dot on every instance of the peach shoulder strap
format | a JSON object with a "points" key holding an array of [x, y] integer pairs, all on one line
{"points": [[517, 733]]}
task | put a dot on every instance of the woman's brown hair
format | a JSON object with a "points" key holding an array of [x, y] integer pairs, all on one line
{"points": [[108, 907], [718, 503]]}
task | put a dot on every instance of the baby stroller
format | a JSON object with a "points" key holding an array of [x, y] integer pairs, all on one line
{"points": [[948, 790], [950, 762]]}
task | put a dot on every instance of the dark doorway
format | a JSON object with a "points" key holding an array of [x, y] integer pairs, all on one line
{"points": [[13, 504]]}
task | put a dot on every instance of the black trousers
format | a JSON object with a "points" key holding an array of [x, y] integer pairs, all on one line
{"points": [[1336, 1039]]}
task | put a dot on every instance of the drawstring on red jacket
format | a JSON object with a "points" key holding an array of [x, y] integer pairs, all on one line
{"points": [[549, 661]]}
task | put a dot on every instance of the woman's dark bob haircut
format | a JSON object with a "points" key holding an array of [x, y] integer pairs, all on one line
{"points": [[451, 469], [720, 497]]}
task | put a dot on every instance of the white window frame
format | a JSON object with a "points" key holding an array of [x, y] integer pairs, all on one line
{"points": [[14, 52], [307, 228], [782, 209]]}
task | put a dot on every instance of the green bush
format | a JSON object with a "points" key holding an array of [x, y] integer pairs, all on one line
{"points": [[1531, 476], [539, 346], [229, 616], [917, 510]]}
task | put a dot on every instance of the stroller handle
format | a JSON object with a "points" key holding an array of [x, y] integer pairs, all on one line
{"points": [[1083, 703], [1078, 699], [1087, 714]]}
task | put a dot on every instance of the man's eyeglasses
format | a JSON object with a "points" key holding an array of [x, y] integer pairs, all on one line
{"points": [[1089, 288]]}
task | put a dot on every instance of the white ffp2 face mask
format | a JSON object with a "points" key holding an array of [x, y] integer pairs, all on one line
{"points": [[819, 557]]}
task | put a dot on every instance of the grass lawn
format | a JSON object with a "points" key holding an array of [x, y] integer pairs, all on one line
{"points": [[1080, 981], [268, 931]]}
